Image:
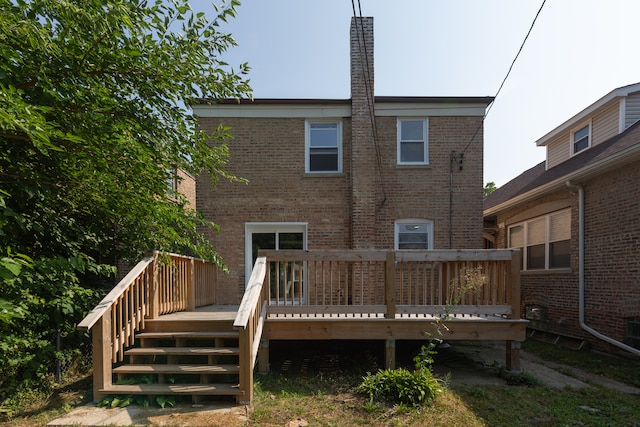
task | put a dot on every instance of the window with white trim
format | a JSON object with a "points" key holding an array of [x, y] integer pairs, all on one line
{"points": [[544, 242], [413, 234], [323, 146], [581, 138], [413, 143]]}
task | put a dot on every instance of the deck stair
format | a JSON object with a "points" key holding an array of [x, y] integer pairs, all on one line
{"points": [[181, 358]]}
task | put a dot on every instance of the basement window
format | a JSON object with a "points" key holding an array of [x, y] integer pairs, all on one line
{"points": [[413, 234], [632, 332]]}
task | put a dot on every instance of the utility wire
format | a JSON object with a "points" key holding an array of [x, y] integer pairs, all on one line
{"points": [[362, 42], [506, 76]]}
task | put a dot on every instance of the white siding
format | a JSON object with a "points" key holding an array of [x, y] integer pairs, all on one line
{"points": [[632, 109], [605, 124], [558, 150]]}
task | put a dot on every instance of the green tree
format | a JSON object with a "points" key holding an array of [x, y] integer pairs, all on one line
{"points": [[489, 188], [94, 121]]}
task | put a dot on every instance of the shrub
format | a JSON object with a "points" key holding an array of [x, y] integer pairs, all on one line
{"points": [[401, 386]]}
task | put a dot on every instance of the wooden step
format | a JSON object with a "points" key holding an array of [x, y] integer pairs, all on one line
{"points": [[187, 335], [168, 389], [177, 369], [183, 351]]}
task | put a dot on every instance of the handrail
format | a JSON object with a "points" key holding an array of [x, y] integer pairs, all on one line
{"points": [[252, 294], [122, 286]]}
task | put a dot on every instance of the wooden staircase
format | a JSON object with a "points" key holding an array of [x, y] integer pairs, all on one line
{"points": [[181, 357]]}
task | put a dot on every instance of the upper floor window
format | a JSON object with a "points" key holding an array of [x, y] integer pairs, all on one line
{"points": [[323, 146], [413, 145], [544, 242], [581, 138], [414, 234]]}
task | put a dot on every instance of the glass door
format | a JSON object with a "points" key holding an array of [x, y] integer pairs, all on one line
{"points": [[287, 279]]}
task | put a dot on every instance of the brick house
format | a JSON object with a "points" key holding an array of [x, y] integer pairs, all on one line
{"points": [[575, 218], [359, 173]]}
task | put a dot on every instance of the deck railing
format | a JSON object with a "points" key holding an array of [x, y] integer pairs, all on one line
{"points": [[250, 322], [159, 284], [393, 283]]}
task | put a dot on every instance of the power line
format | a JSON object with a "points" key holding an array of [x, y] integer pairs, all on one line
{"points": [[506, 76], [362, 42]]}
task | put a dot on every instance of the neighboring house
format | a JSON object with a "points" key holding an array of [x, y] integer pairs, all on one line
{"points": [[576, 219], [367, 172]]}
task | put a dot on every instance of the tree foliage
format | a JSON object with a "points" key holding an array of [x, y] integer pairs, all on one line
{"points": [[489, 188], [94, 122]]}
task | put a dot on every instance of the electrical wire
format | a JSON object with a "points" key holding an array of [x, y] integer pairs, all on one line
{"points": [[362, 42], [505, 77]]}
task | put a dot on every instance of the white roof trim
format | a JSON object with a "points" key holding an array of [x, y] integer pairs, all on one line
{"points": [[272, 111], [413, 109], [616, 93], [319, 110]]}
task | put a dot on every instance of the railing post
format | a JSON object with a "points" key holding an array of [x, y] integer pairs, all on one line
{"points": [[102, 366], [191, 285], [513, 347], [390, 285], [154, 293], [246, 365]]}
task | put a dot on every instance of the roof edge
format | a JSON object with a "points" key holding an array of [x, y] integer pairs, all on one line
{"points": [[621, 157]]}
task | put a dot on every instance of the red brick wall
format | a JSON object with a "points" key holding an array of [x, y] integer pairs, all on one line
{"points": [[612, 262], [269, 153]]}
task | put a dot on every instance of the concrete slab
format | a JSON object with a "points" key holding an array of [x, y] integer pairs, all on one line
{"points": [[178, 416]]}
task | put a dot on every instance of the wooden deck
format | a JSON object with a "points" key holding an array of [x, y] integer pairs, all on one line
{"points": [[162, 318]]}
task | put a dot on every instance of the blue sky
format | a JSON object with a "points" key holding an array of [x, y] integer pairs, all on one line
{"points": [[578, 51]]}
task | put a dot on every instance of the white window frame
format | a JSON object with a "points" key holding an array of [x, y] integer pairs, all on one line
{"points": [[547, 240], [413, 221], [573, 141], [308, 148], [425, 139]]}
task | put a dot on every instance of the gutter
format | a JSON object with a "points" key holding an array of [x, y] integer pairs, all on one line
{"points": [[581, 281], [621, 157]]}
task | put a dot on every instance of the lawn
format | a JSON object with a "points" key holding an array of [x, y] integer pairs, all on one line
{"points": [[316, 382]]}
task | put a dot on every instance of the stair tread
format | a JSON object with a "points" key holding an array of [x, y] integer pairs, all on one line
{"points": [[203, 389], [176, 369], [169, 335], [182, 351]]}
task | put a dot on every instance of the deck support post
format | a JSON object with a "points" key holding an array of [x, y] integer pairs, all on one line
{"points": [[154, 292], [263, 357], [513, 356], [390, 354], [102, 367]]}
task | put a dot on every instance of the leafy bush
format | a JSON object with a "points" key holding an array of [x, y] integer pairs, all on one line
{"points": [[401, 386]]}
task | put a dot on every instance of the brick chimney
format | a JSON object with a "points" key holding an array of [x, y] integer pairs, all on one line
{"points": [[364, 169]]}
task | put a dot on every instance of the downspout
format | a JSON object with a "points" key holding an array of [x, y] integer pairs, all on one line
{"points": [[581, 284]]}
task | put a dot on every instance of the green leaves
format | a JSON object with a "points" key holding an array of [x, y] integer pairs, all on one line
{"points": [[93, 123]]}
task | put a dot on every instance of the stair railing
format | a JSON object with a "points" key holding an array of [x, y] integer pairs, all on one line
{"points": [[249, 323], [159, 284]]}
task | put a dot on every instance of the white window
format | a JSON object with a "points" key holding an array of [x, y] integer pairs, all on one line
{"points": [[323, 146], [413, 145], [544, 242], [581, 138], [413, 234]]}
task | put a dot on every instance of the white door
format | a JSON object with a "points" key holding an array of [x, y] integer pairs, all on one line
{"points": [[286, 283]]}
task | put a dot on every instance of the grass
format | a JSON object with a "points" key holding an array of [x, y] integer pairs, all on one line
{"points": [[317, 383], [625, 370]]}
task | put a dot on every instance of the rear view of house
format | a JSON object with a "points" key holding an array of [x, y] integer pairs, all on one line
{"points": [[575, 219], [360, 173]]}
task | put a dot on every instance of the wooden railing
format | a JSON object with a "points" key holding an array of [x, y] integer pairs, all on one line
{"points": [[250, 322], [159, 284], [393, 284]]}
